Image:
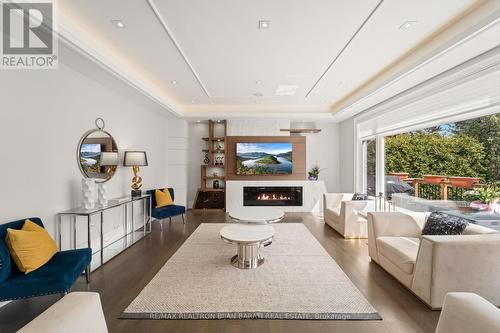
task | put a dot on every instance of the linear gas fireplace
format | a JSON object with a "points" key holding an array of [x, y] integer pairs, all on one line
{"points": [[272, 196]]}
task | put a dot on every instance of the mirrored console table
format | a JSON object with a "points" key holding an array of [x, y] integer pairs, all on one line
{"points": [[132, 232]]}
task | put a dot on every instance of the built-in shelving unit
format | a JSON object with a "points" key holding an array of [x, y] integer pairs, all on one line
{"points": [[209, 197]]}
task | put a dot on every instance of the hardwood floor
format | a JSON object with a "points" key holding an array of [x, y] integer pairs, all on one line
{"points": [[120, 280]]}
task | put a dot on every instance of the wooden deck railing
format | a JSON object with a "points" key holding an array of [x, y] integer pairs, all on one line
{"points": [[442, 190]]}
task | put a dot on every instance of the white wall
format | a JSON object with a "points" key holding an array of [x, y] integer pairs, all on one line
{"points": [[322, 148], [347, 156], [42, 117], [196, 131]]}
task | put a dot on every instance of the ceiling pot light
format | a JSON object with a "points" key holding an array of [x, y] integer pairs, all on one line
{"points": [[118, 23], [407, 25], [174, 82], [286, 90], [264, 24], [198, 121], [193, 101], [258, 82]]}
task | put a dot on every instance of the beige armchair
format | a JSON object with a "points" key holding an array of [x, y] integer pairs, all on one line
{"points": [[432, 266], [343, 214], [466, 312]]}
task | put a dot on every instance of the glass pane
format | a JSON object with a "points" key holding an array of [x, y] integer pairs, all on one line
{"points": [[371, 160], [453, 167]]}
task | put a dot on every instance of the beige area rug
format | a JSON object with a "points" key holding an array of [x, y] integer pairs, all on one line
{"points": [[298, 280]]}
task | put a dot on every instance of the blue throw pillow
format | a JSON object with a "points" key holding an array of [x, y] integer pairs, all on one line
{"points": [[359, 196], [4, 262], [443, 224]]}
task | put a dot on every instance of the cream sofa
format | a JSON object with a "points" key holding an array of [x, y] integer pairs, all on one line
{"points": [[342, 214], [432, 266], [77, 312], [466, 313]]}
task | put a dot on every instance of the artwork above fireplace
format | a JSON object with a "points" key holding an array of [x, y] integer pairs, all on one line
{"points": [[272, 195]]}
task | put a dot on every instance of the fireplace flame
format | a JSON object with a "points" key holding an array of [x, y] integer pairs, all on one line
{"points": [[272, 196]]}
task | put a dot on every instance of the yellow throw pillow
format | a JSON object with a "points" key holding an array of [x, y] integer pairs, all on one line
{"points": [[163, 198], [30, 248]]}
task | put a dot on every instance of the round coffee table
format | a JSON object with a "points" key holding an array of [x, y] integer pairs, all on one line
{"points": [[257, 215], [248, 239]]}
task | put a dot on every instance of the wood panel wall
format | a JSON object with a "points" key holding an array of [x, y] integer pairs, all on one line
{"points": [[298, 151]]}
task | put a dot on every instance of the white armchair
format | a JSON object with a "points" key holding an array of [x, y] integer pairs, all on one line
{"points": [[342, 214], [77, 312], [466, 312], [432, 266]]}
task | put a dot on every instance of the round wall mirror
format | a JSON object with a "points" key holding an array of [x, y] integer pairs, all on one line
{"points": [[98, 154]]}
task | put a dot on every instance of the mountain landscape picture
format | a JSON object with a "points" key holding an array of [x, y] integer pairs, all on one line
{"points": [[90, 157], [264, 158]]}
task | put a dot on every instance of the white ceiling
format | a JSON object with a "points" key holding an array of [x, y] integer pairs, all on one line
{"points": [[216, 53]]}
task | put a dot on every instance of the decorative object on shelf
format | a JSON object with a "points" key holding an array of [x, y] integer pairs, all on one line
{"points": [[206, 160], [219, 160], [314, 173], [135, 159], [216, 184], [215, 174], [218, 146], [102, 194], [88, 193], [97, 154], [484, 198]]}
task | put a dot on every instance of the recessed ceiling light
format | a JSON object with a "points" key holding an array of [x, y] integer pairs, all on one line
{"points": [[118, 23], [407, 24], [286, 90], [193, 101], [264, 24], [297, 76], [258, 82], [173, 82], [198, 121]]}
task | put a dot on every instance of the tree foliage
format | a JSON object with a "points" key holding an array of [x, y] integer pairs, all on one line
{"points": [[485, 130], [430, 152]]}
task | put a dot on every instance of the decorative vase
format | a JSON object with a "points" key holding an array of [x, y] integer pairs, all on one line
{"points": [[88, 193], [206, 160], [312, 178], [102, 194]]}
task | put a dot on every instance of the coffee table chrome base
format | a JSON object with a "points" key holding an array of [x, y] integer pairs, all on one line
{"points": [[248, 256], [247, 263]]}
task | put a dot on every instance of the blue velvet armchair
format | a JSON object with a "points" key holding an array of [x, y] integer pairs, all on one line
{"points": [[166, 211], [55, 277]]}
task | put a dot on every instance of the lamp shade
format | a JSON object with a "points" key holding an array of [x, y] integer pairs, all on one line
{"points": [[109, 158], [135, 158]]}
